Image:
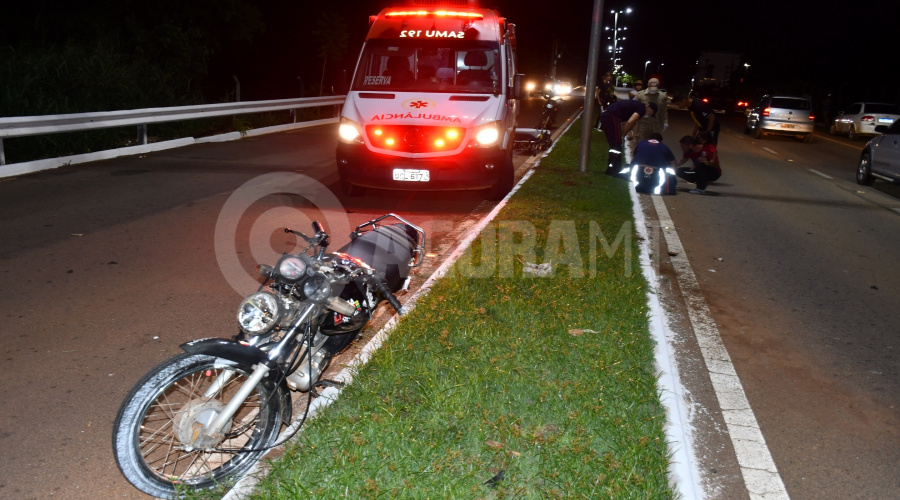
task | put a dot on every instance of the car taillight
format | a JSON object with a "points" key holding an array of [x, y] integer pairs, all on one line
{"points": [[705, 99], [812, 117], [867, 118], [765, 112]]}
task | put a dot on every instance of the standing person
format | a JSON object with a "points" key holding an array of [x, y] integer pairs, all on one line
{"points": [[659, 122], [630, 138], [611, 123], [828, 113], [605, 95], [703, 115], [704, 156], [638, 87]]}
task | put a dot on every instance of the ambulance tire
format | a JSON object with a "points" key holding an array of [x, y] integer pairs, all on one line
{"points": [[352, 190], [504, 184]]}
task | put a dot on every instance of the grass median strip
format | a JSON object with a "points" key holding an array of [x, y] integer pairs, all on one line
{"points": [[503, 383]]}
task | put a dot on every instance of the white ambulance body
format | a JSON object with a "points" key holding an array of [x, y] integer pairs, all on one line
{"points": [[432, 104]]}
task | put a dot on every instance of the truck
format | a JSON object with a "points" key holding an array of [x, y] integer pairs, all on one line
{"points": [[717, 78], [718, 68], [433, 102]]}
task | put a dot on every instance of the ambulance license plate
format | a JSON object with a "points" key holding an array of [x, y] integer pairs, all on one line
{"points": [[411, 175]]}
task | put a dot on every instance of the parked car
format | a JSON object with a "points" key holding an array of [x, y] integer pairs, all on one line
{"points": [[881, 156], [861, 118], [785, 115]]}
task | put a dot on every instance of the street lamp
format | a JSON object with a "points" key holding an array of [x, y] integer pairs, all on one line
{"points": [[615, 48], [645, 68], [659, 68], [746, 67]]}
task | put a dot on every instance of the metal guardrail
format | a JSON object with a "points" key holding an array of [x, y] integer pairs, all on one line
{"points": [[19, 126]]}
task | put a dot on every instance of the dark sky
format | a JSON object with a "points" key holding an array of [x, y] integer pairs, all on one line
{"points": [[803, 46], [782, 40], [794, 44]]}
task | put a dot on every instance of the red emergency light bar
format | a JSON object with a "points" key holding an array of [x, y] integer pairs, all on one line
{"points": [[446, 14]]}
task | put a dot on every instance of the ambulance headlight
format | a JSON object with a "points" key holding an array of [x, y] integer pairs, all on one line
{"points": [[349, 131], [488, 135]]}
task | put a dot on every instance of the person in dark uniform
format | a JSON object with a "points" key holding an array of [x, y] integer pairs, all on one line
{"points": [[653, 167], [616, 121], [703, 115], [605, 95]]}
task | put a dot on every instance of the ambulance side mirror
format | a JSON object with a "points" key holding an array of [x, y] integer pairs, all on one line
{"points": [[517, 86]]}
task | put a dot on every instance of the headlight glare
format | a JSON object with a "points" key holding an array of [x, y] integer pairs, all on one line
{"points": [[488, 135], [349, 131]]}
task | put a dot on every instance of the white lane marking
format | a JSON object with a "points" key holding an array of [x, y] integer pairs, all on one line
{"points": [[820, 174], [896, 210], [754, 458], [683, 471], [770, 150]]}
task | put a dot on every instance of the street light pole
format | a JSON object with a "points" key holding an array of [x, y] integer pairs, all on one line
{"points": [[645, 69], [615, 36]]}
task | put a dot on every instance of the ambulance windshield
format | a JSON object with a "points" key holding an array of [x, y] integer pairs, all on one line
{"points": [[418, 65]]}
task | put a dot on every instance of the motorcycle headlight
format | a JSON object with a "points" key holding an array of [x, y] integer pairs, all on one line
{"points": [[259, 313], [291, 268]]}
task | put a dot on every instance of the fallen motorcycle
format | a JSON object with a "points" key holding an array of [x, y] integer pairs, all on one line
{"points": [[209, 414]]}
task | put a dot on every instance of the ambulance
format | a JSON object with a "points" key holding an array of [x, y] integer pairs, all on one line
{"points": [[433, 102]]}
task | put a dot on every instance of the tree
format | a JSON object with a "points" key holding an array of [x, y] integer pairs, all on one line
{"points": [[331, 36]]}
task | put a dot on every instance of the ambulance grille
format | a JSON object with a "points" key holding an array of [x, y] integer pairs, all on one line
{"points": [[415, 138]]}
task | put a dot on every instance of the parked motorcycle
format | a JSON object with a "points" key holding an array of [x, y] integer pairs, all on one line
{"points": [[535, 140], [210, 413]]}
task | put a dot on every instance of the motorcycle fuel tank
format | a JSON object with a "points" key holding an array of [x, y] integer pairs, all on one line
{"points": [[388, 250]]}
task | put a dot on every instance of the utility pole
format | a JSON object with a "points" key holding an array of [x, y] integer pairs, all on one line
{"points": [[590, 103]]}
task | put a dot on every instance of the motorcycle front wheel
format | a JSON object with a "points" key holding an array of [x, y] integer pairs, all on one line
{"points": [[157, 422]]}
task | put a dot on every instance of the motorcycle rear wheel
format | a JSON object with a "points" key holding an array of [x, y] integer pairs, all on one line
{"points": [[167, 403]]}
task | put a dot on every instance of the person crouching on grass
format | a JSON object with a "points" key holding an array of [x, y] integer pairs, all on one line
{"points": [[704, 158]]}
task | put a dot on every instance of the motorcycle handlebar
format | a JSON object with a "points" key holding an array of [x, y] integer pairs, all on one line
{"points": [[382, 287]]}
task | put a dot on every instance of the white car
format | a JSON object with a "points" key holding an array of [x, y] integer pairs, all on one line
{"points": [[861, 118], [881, 156]]}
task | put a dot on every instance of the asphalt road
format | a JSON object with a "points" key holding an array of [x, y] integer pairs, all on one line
{"points": [[799, 266], [105, 268]]}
